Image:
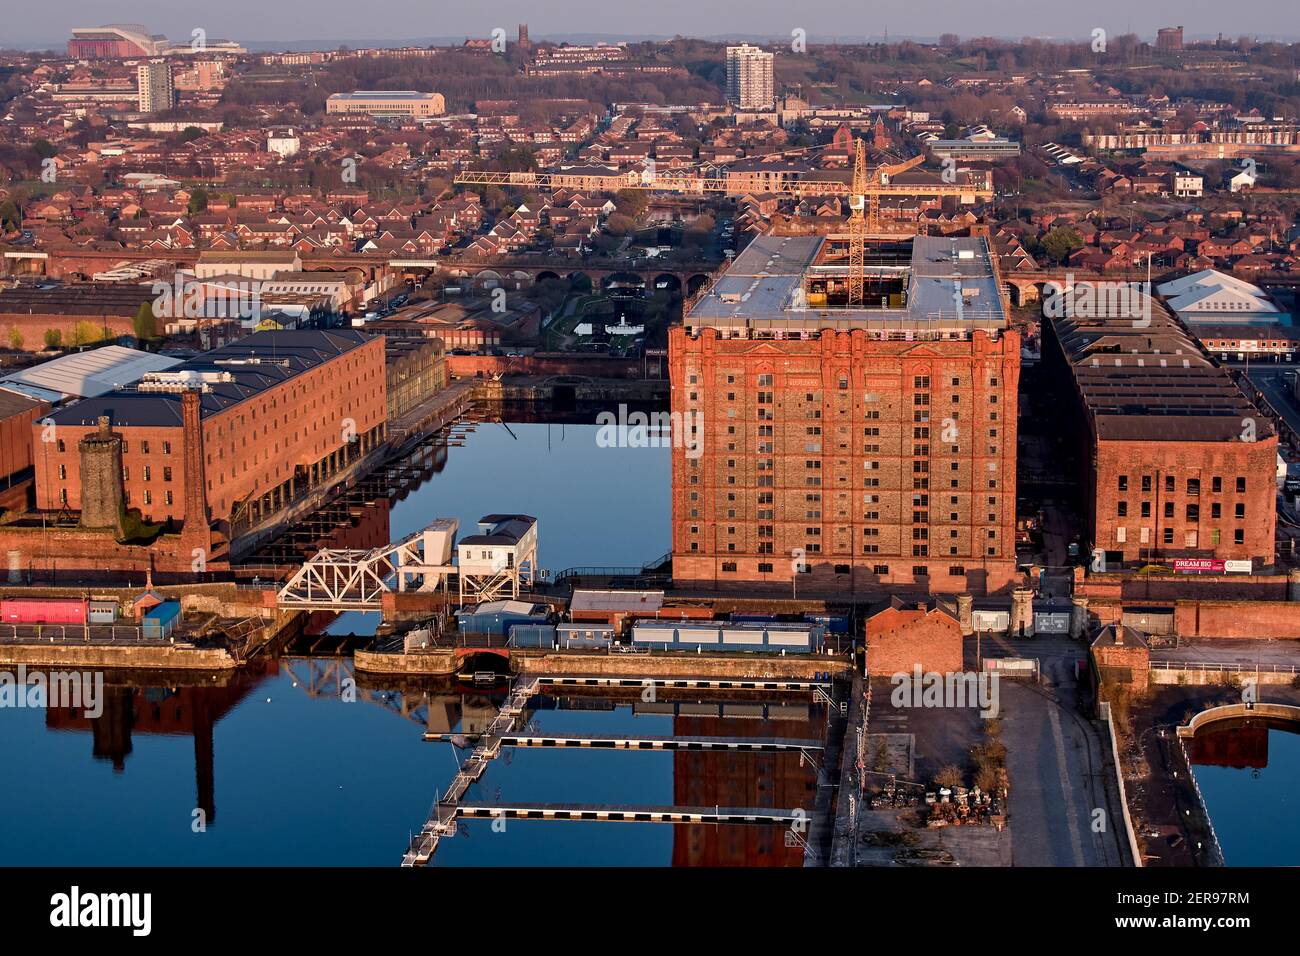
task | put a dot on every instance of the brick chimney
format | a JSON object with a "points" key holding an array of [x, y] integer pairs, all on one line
{"points": [[197, 531]]}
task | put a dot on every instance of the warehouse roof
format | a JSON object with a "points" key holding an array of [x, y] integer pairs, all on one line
{"points": [[501, 529], [86, 374], [225, 377], [951, 285], [383, 94], [122, 299], [1143, 377], [586, 600], [12, 403]]}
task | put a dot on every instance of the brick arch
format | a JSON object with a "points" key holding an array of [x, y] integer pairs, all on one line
{"points": [[695, 282]]}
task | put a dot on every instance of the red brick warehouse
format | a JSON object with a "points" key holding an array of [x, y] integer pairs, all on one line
{"points": [[878, 443]]}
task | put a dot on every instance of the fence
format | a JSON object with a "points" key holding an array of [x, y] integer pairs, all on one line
{"points": [[1012, 667], [76, 634], [1205, 667]]}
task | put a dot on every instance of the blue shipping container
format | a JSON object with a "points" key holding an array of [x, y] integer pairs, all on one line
{"points": [[159, 621]]}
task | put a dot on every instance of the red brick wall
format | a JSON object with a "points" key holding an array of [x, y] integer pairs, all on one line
{"points": [[1135, 660], [163, 456], [866, 459], [1279, 619], [1225, 619], [85, 553], [1254, 461], [32, 326], [16, 439], [249, 449], [1171, 587], [899, 640]]}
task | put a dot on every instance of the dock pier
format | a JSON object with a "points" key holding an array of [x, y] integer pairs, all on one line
{"points": [[442, 819], [626, 742]]}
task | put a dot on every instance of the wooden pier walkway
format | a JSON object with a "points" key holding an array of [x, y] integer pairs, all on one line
{"points": [[633, 742]]}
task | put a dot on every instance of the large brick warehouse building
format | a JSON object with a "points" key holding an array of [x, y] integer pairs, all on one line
{"points": [[864, 449], [1177, 463], [244, 431]]}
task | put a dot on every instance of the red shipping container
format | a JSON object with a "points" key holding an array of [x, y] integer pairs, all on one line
{"points": [[43, 611]]}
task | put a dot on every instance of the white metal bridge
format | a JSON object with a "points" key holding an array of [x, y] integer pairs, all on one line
{"points": [[342, 579]]}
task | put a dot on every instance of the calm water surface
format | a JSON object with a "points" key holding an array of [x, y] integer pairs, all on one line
{"points": [[283, 771], [1250, 777]]}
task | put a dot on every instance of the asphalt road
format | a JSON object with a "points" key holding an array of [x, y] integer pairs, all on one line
{"points": [[1268, 379], [1062, 813]]}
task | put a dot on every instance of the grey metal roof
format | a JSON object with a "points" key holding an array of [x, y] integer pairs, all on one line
{"points": [[504, 529], [254, 363], [1146, 379], [87, 374], [951, 284]]}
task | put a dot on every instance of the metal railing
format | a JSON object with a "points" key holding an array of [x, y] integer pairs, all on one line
{"points": [[1215, 849], [77, 634], [1203, 667]]}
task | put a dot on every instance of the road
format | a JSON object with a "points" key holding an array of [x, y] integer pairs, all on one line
{"points": [[1056, 766], [1268, 379]]}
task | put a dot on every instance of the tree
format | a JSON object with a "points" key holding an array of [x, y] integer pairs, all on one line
{"points": [[1060, 242], [198, 200], [949, 776], [86, 332], [618, 224], [144, 323], [16, 339], [45, 149], [631, 202], [10, 218], [53, 338]]}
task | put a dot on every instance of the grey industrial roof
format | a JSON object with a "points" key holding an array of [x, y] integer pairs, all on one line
{"points": [[593, 600], [12, 403], [384, 94], [759, 288], [254, 363], [84, 298], [506, 529], [87, 374], [1146, 379]]}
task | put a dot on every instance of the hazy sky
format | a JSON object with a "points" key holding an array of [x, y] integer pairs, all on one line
{"points": [[255, 20]]}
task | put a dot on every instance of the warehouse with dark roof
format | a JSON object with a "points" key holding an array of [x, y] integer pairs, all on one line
{"points": [[1179, 464], [278, 415]]}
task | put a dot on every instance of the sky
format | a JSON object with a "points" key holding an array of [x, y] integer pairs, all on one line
{"points": [[361, 20]]}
